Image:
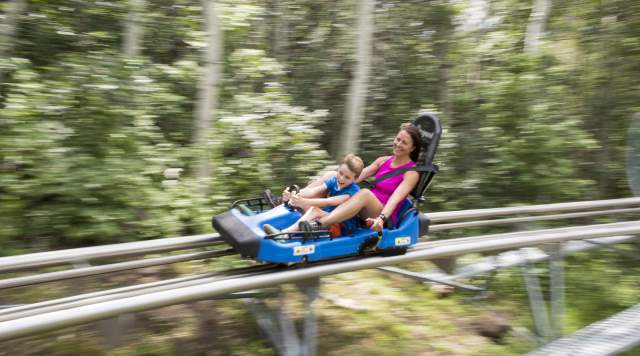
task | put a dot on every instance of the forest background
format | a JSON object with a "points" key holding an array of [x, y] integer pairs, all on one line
{"points": [[130, 120]]}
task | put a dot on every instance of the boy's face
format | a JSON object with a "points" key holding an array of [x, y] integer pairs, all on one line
{"points": [[345, 176]]}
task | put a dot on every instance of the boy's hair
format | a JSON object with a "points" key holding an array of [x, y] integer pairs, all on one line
{"points": [[354, 163]]}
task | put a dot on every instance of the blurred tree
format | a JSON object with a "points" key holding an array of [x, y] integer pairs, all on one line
{"points": [[633, 155], [8, 25], [357, 97], [208, 89], [133, 28], [537, 24]]}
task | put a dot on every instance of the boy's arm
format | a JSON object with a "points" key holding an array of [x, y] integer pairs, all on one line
{"points": [[320, 202], [317, 191]]}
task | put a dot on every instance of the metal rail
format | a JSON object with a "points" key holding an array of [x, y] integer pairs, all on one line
{"points": [[531, 233], [611, 336], [190, 280], [530, 209], [83, 314], [83, 254], [109, 268], [466, 224], [130, 291], [52, 258]]}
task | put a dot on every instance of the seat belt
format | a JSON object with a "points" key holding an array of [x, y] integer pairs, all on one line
{"points": [[420, 169]]}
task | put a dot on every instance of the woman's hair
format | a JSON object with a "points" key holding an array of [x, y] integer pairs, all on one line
{"points": [[414, 132], [354, 163]]}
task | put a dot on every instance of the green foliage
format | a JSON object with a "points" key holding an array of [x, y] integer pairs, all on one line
{"points": [[82, 158], [87, 134], [525, 144], [262, 140]]}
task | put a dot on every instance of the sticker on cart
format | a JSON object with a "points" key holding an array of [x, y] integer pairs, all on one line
{"points": [[304, 250], [401, 241]]}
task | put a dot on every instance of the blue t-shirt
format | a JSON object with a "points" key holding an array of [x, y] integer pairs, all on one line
{"points": [[332, 190]]}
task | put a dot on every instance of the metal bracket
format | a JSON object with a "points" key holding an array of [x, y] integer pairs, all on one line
{"points": [[431, 279], [448, 264]]}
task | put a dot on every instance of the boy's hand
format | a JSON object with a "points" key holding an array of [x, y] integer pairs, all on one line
{"points": [[298, 201], [286, 195]]}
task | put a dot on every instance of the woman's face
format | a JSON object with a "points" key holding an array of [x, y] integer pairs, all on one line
{"points": [[403, 144]]}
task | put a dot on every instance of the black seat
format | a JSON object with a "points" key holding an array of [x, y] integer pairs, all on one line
{"points": [[431, 131]]}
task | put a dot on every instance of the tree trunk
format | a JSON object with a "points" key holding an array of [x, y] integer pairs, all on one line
{"points": [[208, 90], [133, 28], [277, 31], [350, 135], [9, 24], [536, 25], [8, 30]]}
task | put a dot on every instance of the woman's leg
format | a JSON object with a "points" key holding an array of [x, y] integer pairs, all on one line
{"points": [[312, 213], [364, 202]]}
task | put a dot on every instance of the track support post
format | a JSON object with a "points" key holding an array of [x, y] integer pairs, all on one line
{"points": [[549, 326], [279, 327]]}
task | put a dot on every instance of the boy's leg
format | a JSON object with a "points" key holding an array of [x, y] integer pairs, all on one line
{"points": [[311, 214]]}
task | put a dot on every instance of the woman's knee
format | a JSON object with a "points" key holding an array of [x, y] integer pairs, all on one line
{"points": [[364, 194]]}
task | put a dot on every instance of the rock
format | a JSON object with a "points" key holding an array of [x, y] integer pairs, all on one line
{"points": [[491, 325], [442, 290]]}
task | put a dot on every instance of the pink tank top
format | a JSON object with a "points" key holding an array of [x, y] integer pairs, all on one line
{"points": [[385, 189]]}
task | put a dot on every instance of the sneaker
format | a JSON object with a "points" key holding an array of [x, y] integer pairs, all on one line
{"points": [[270, 229], [309, 226], [271, 199]]}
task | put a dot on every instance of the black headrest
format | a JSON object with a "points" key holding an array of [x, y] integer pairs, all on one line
{"points": [[430, 131]]}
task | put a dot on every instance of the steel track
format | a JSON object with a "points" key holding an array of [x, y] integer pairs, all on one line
{"points": [[243, 272]]}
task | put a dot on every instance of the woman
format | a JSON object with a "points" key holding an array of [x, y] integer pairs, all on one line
{"points": [[383, 201]]}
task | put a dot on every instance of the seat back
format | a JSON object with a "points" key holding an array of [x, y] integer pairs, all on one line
{"points": [[430, 130]]}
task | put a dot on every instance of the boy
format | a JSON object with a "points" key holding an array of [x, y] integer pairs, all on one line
{"points": [[318, 200]]}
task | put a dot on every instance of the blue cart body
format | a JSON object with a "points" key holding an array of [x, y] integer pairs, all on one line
{"points": [[307, 248]]}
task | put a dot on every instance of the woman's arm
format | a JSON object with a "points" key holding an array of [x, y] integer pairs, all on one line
{"points": [[409, 181], [371, 169]]}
